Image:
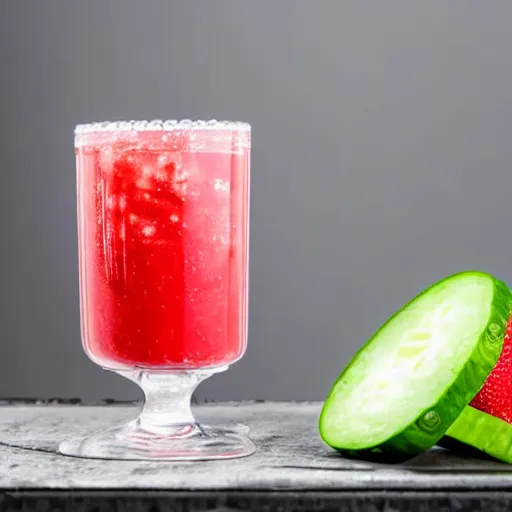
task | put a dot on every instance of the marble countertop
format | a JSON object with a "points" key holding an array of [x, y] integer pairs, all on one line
{"points": [[291, 465]]}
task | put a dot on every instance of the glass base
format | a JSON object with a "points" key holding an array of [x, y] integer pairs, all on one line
{"points": [[165, 429], [188, 442]]}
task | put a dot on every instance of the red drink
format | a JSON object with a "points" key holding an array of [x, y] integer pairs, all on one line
{"points": [[163, 244]]}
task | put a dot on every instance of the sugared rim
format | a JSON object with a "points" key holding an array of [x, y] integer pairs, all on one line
{"points": [[161, 125]]}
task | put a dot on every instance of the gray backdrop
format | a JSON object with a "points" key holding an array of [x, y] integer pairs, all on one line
{"points": [[381, 163]]}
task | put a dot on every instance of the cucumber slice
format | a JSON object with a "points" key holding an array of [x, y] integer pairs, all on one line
{"points": [[411, 380], [482, 431]]}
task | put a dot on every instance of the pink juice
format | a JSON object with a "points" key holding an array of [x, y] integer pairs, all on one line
{"points": [[163, 245]]}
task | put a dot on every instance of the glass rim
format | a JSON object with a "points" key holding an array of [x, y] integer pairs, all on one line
{"points": [[161, 125]]}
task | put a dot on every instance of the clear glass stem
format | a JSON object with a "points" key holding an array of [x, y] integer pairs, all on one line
{"points": [[168, 395], [165, 428]]}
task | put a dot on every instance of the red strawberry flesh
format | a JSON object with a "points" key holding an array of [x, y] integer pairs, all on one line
{"points": [[495, 397]]}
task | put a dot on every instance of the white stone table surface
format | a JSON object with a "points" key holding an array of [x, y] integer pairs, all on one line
{"points": [[291, 470]]}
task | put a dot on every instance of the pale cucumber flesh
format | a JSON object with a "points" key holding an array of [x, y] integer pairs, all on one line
{"points": [[406, 386]]}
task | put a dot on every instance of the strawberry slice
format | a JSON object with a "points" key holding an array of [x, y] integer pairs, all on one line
{"points": [[495, 397]]}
